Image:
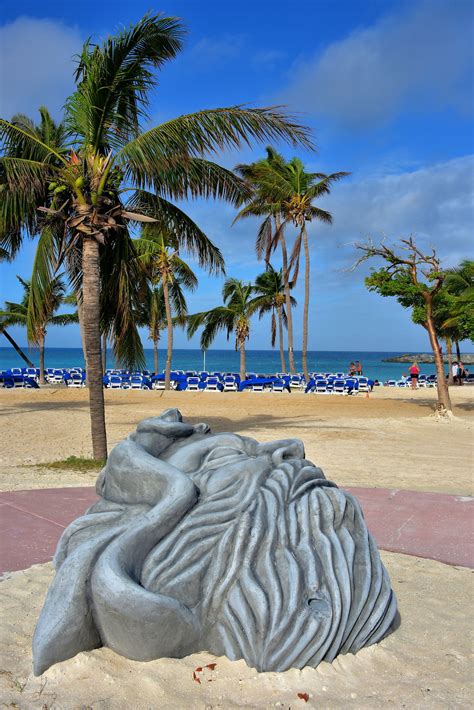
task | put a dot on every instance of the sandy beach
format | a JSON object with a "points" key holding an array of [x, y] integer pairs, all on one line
{"points": [[390, 439]]}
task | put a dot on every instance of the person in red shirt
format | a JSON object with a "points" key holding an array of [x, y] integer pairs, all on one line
{"points": [[414, 374]]}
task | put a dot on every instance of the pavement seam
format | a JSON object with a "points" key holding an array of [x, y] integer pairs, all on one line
{"points": [[35, 515]]}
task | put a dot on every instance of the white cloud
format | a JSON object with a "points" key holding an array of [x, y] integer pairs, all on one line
{"points": [[36, 65], [420, 56], [210, 50], [435, 202]]}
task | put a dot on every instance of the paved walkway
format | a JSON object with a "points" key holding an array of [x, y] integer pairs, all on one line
{"points": [[433, 525]]}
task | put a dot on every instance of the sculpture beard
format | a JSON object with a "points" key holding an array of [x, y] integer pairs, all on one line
{"points": [[217, 543]]}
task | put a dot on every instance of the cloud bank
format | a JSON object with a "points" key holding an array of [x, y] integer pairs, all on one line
{"points": [[36, 65], [420, 57], [435, 202]]}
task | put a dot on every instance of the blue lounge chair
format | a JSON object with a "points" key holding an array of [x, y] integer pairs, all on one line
{"points": [[193, 383], [339, 387], [76, 379], [230, 383], [320, 386], [136, 382], [211, 384], [278, 385]]}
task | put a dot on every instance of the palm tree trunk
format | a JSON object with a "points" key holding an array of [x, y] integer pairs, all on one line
{"points": [[304, 355], [104, 353], [449, 352], [91, 317], [286, 283], [17, 347], [280, 337], [42, 378], [243, 361], [458, 350], [169, 326], [155, 355], [81, 326]]}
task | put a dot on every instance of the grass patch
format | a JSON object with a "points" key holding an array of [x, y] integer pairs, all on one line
{"points": [[73, 463]]}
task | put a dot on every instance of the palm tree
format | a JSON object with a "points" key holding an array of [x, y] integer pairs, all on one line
{"points": [[13, 343], [17, 314], [270, 298], [109, 154], [285, 189], [153, 313], [163, 265], [233, 317], [459, 284], [263, 202]]}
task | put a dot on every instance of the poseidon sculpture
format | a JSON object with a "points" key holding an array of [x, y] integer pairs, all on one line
{"points": [[214, 542]]}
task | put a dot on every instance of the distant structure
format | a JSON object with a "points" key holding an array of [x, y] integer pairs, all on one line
{"points": [[214, 542]]}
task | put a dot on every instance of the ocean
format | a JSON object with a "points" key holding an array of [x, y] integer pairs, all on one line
{"points": [[259, 361]]}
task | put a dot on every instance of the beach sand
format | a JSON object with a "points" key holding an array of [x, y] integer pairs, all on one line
{"points": [[388, 440], [424, 663]]}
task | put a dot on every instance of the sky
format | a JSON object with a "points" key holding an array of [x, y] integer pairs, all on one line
{"points": [[387, 88]]}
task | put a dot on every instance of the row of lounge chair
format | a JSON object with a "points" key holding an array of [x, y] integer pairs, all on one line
{"points": [[191, 380]]}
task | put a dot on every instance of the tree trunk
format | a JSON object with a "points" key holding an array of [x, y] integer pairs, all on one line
{"points": [[42, 378], [17, 347], [104, 353], [169, 326], [81, 326], [91, 317], [280, 337], [458, 350], [155, 355], [243, 362], [286, 283], [304, 355], [449, 352], [444, 400]]}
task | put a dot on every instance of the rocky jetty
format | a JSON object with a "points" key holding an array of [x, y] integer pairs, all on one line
{"points": [[467, 359]]}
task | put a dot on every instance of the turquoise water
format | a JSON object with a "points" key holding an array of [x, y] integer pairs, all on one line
{"points": [[259, 361]]}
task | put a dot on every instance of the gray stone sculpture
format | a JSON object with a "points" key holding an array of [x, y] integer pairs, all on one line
{"points": [[214, 542]]}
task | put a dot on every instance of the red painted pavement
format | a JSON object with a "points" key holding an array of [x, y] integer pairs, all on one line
{"points": [[433, 525]]}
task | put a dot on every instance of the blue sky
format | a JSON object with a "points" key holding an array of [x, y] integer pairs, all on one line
{"points": [[386, 86]]}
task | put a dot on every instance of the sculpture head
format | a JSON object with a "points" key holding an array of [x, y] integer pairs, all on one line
{"points": [[216, 542]]}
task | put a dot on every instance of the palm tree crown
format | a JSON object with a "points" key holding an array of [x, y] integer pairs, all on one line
{"points": [[18, 314], [158, 255], [270, 298], [114, 174], [233, 318]]}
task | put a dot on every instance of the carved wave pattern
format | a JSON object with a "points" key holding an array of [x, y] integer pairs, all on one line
{"points": [[289, 574]]}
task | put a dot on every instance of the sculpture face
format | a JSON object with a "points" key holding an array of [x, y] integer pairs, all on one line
{"points": [[217, 543]]}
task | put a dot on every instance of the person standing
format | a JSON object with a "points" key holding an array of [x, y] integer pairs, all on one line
{"points": [[352, 369], [414, 371], [455, 372], [358, 367], [461, 373]]}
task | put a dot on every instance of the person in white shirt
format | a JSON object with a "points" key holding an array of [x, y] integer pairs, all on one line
{"points": [[455, 371]]}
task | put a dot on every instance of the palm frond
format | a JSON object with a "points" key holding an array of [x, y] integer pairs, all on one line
{"points": [[64, 319], [210, 131], [114, 80], [42, 281], [184, 273], [123, 287], [14, 138], [178, 225], [264, 237]]}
